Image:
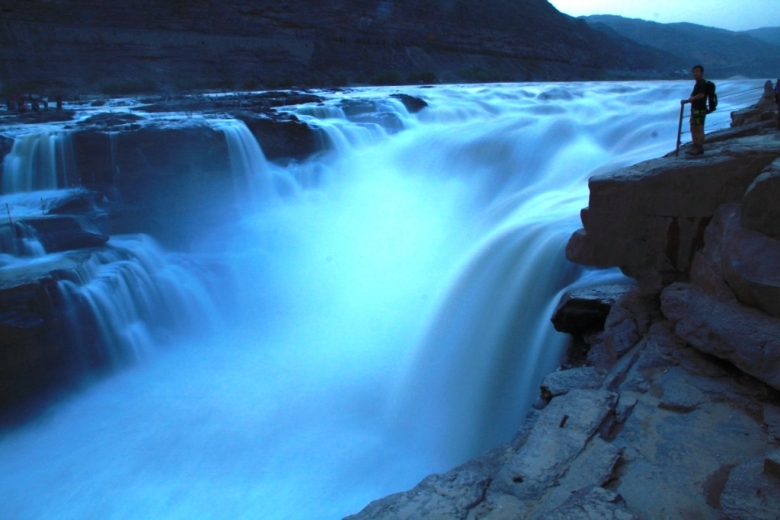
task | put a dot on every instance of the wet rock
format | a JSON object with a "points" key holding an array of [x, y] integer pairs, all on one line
{"points": [[77, 203], [110, 119], [59, 234], [32, 348], [746, 337], [585, 309], [413, 104], [282, 138]]}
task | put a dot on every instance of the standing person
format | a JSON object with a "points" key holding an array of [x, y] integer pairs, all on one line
{"points": [[698, 101]]}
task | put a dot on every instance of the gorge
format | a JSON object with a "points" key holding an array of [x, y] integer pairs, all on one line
{"points": [[288, 304]]}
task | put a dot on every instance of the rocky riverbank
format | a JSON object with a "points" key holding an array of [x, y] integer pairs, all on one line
{"points": [[669, 406]]}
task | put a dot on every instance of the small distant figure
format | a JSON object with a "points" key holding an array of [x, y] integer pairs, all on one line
{"points": [[58, 100], [698, 101], [45, 102], [777, 100]]}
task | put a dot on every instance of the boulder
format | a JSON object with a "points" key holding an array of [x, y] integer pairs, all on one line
{"points": [[760, 208], [645, 220], [584, 309], [750, 262], [748, 338], [59, 233], [282, 137], [413, 104], [737, 262]]}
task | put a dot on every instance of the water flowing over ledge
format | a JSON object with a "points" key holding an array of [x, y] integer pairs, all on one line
{"points": [[380, 308]]}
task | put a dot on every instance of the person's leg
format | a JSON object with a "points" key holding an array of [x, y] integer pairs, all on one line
{"points": [[697, 132]]}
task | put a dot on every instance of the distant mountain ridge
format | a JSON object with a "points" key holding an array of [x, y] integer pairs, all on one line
{"points": [[723, 53], [768, 34]]}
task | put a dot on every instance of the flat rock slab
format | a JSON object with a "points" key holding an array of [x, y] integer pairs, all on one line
{"points": [[559, 435], [750, 494], [563, 381]]}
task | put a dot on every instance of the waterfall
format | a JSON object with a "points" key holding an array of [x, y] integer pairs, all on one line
{"points": [[252, 177], [39, 161], [375, 313], [20, 240], [129, 297]]}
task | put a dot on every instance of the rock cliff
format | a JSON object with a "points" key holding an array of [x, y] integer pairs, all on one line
{"points": [[669, 404], [145, 45]]}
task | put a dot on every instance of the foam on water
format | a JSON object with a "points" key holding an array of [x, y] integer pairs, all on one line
{"points": [[385, 319]]}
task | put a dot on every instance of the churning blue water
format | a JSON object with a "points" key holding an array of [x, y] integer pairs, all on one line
{"points": [[382, 313]]}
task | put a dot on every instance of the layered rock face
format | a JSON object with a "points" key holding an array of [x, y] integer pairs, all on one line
{"points": [[143, 45], [669, 403]]}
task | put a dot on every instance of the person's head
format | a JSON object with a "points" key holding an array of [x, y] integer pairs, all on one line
{"points": [[697, 71]]}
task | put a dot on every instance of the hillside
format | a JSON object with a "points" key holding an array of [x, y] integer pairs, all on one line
{"points": [[723, 53], [767, 34], [178, 44]]}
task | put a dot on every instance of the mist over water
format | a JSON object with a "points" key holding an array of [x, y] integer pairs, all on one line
{"points": [[377, 313]]}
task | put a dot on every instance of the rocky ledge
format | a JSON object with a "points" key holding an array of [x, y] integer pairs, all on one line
{"points": [[669, 404]]}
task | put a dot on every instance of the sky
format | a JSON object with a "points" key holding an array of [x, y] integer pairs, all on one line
{"points": [[734, 15]]}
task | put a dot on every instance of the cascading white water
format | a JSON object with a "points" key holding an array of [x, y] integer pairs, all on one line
{"points": [[251, 189], [38, 161], [131, 296], [389, 318]]}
